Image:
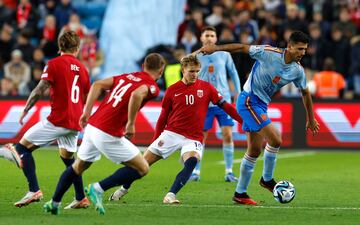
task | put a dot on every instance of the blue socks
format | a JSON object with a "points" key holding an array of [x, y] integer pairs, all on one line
{"points": [[29, 168], [270, 154], [125, 175], [78, 183], [246, 171], [184, 175], [65, 181], [228, 151]]}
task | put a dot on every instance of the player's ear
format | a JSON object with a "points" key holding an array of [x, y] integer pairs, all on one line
{"points": [[142, 66]]}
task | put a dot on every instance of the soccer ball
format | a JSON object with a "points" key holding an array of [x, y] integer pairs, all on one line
{"points": [[284, 191]]}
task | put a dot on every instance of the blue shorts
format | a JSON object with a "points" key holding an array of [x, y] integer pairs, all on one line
{"points": [[221, 116], [253, 111]]}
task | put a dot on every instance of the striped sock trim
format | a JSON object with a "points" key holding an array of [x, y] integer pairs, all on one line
{"points": [[271, 149], [249, 158]]}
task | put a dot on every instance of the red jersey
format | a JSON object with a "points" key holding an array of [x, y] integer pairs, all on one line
{"points": [[70, 84], [112, 114], [186, 106]]}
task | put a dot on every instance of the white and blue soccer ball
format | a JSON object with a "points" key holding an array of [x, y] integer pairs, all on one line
{"points": [[284, 192]]}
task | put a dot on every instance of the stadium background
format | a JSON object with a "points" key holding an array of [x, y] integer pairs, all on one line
{"points": [[116, 35]]}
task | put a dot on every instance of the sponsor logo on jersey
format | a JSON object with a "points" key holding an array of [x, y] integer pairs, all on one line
{"points": [[200, 93]]}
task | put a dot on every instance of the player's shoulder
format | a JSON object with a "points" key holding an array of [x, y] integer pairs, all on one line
{"points": [[273, 49]]}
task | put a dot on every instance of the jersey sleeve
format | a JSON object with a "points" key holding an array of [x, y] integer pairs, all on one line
{"points": [[258, 52], [153, 90], [47, 73], [300, 82], [215, 96], [231, 69]]}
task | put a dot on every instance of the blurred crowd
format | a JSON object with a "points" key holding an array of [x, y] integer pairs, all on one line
{"points": [[332, 62], [29, 29], [28, 38]]}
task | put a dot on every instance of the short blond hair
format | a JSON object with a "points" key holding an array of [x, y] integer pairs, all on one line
{"points": [[189, 60]]}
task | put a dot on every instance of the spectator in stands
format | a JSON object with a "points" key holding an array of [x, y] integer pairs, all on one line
{"points": [[325, 26], [216, 17], [48, 40], [38, 58], [345, 24], [76, 26], [172, 72], [24, 45], [226, 36], [328, 83], [292, 21], [5, 13], [45, 9], [197, 23], [355, 64], [6, 45], [7, 88], [18, 72], [317, 50], [62, 12], [91, 55], [244, 23], [26, 16], [266, 36], [340, 50], [35, 78], [189, 41]]}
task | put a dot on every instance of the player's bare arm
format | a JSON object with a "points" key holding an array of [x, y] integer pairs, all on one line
{"points": [[236, 47], [38, 91], [136, 99], [311, 124], [95, 91]]}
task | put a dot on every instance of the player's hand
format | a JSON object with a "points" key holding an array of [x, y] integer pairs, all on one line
{"points": [[129, 130], [83, 120], [313, 125], [22, 116], [208, 49]]}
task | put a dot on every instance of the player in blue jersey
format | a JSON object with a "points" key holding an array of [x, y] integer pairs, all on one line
{"points": [[273, 69], [214, 69]]}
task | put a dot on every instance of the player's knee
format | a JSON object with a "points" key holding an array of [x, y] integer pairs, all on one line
{"points": [[276, 142], [144, 169]]}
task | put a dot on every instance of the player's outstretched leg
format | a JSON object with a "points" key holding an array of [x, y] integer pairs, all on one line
{"points": [[9, 152], [246, 171], [29, 169], [180, 180], [195, 175], [267, 181], [228, 150], [80, 200]]}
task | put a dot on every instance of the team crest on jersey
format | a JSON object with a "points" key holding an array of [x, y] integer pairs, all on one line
{"points": [[200, 93], [160, 143], [276, 79], [152, 89]]}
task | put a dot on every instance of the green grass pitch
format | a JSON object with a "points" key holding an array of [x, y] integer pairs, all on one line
{"points": [[327, 184]]}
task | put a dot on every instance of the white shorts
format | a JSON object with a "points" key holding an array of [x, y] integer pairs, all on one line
{"points": [[44, 133], [168, 142], [97, 142]]}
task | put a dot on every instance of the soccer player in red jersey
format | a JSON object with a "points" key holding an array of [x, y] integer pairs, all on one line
{"points": [[69, 85], [108, 130], [180, 125]]}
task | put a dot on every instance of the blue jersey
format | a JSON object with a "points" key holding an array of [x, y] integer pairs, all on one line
{"points": [[270, 72], [214, 69]]}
